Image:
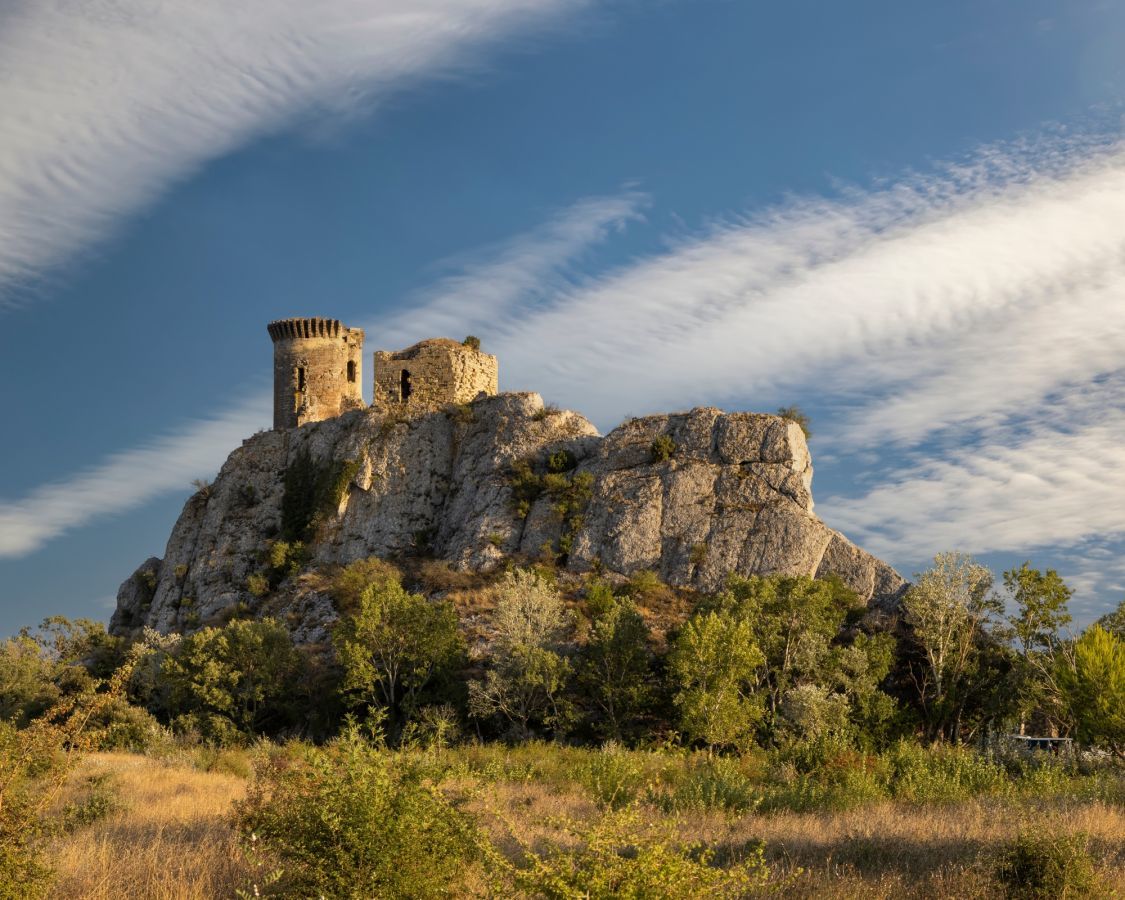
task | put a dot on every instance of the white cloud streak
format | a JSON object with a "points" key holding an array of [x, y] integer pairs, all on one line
{"points": [[106, 103], [1048, 489], [858, 295], [128, 479], [979, 305], [124, 481]]}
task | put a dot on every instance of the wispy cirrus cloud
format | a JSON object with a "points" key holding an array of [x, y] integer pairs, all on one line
{"points": [[508, 273], [874, 292], [126, 480], [509, 279], [108, 102], [1047, 488], [965, 324]]}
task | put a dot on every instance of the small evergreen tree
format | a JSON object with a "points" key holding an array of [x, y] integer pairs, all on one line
{"points": [[1094, 688], [616, 663]]}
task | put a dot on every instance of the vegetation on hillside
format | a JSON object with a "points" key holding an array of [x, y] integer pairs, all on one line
{"points": [[441, 700]]}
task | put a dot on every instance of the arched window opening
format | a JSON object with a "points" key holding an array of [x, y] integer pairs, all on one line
{"points": [[404, 386], [351, 371]]}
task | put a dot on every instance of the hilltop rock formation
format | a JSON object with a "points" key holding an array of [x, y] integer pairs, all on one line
{"points": [[693, 496]]}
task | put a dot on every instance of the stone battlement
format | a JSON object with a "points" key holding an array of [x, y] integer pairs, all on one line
{"points": [[303, 328]]}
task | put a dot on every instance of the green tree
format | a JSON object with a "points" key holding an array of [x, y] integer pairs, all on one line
{"points": [[797, 622], [616, 663], [1114, 622], [1094, 687], [527, 680], [1040, 600], [715, 669], [27, 680], [238, 681], [79, 643], [395, 645], [950, 610]]}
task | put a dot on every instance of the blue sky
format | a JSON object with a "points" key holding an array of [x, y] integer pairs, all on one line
{"points": [[908, 218]]}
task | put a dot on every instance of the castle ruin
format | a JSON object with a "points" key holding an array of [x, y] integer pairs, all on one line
{"points": [[317, 371]]}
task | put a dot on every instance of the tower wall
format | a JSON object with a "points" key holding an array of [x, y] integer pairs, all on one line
{"points": [[432, 373], [317, 370]]}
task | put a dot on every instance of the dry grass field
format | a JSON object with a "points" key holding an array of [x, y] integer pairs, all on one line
{"points": [[168, 834], [169, 837]]}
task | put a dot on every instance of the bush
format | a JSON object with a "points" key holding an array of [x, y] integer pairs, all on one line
{"points": [[794, 414], [662, 448], [825, 773], [313, 491], [472, 342], [1041, 865], [352, 821], [619, 855], [711, 784], [943, 774], [613, 776], [97, 802]]}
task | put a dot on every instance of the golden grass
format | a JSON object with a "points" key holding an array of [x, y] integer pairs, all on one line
{"points": [[885, 850], [171, 838]]}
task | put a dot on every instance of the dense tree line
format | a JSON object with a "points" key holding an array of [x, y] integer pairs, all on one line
{"points": [[774, 661]]}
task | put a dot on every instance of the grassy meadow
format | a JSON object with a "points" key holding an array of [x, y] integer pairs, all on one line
{"points": [[168, 826]]}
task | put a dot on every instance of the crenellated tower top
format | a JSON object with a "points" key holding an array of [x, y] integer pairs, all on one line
{"points": [[317, 366]]}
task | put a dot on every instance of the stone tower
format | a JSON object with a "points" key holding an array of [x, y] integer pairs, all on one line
{"points": [[316, 370], [433, 373]]}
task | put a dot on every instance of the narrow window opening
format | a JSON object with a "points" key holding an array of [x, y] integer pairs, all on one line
{"points": [[351, 371], [404, 387], [300, 378]]}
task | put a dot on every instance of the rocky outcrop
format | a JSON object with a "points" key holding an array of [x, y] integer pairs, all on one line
{"points": [[694, 496]]}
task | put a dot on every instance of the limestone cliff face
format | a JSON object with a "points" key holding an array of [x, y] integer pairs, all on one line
{"points": [[501, 477]]}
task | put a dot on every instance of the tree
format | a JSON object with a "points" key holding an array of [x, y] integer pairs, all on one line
{"points": [[949, 609], [796, 623], [1094, 688], [238, 681], [529, 673], [616, 663], [1040, 601], [394, 646], [27, 680], [1114, 622], [60, 657], [715, 667]]}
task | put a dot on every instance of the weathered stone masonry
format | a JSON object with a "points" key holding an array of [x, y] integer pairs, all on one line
{"points": [[432, 373], [317, 370]]}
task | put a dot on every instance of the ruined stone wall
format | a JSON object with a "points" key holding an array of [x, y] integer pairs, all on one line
{"points": [[317, 370], [433, 373]]}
